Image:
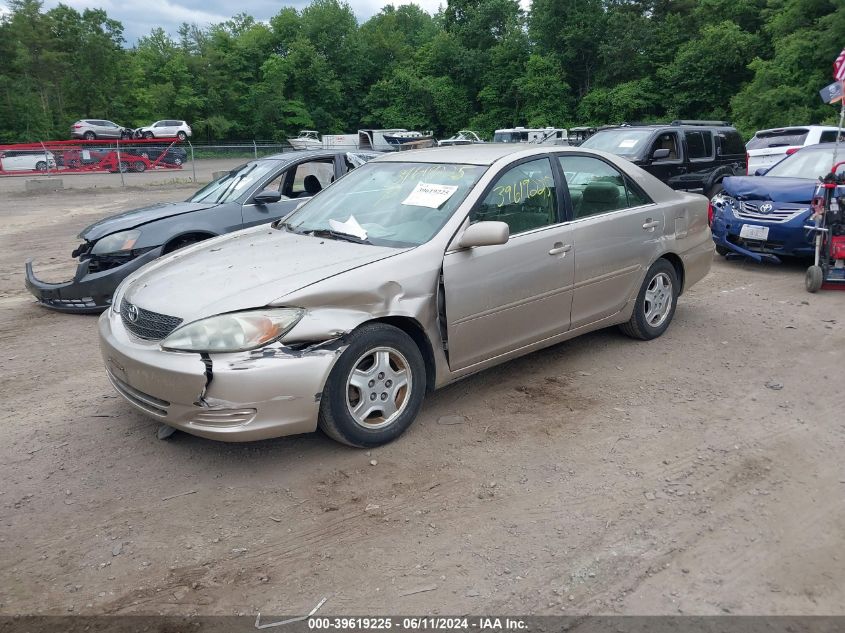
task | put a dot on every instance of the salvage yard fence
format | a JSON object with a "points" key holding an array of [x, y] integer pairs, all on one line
{"points": [[49, 159]]}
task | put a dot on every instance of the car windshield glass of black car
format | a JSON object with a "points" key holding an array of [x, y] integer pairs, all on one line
{"points": [[622, 141], [234, 184], [811, 164], [387, 204], [779, 138]]}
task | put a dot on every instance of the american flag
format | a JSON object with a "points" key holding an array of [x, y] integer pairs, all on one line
{"points": [[839, 67]]}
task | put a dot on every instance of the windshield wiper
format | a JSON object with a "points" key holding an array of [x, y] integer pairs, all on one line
{"points": [[339, 235]]}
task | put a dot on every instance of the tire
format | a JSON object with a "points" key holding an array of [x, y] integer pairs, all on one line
{"points": [[715, 189], [139, 166], [375, 353], [89, 136], [41, 166], [653, 315], [145, 155], [177, 161], [722, 250], [181, 136], [148, 134], [814, 278], [123, 166]]}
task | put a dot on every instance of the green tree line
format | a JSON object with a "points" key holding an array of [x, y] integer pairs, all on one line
{"points": [[477, 64]]}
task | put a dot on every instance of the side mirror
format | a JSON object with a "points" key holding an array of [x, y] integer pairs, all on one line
{"points": [[660, 154], [762, 171], [267, 196], [484, 234]]}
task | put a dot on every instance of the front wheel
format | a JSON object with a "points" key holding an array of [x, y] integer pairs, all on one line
{"points": [[714, 190], [376, 388], [139, 166], [722, 250], [814, 279], [41, 165], [655, 305]]}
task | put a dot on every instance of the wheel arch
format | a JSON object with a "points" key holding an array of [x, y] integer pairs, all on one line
{"points": [[200, 235], [678, 265], [414, 329]]}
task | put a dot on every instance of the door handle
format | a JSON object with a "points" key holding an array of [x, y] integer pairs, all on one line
{"points": [[560, 249], [650, 224]]}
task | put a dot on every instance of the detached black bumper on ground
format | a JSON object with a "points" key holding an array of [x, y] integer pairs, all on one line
{"points": [[88, 292]]}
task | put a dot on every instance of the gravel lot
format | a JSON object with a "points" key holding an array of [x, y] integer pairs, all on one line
{"points": [[698, 473]]}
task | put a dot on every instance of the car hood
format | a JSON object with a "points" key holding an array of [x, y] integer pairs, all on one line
{"points": [[770, 188], [242, 270], [137, 217]]}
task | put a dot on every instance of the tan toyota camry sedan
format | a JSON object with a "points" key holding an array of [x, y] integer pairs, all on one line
{"points": [[411, 272]]}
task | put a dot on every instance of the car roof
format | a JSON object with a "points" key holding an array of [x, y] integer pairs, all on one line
{"points": [[477, 154], [787, 128], [316, 152]]}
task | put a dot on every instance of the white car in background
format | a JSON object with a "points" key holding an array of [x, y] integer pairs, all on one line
{"points": [[768, 147], [26, 160], [168, 128]]}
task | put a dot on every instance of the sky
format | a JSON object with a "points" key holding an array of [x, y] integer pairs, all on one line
{"points": [[139, 18]]}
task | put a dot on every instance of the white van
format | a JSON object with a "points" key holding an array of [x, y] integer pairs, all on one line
{"points": [[546, 135]]}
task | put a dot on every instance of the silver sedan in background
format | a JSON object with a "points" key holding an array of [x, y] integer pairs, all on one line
{"points": [[411, 272]]}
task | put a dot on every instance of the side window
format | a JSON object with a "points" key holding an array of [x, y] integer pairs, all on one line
{"points": [[523, 197], [596, 187], [667, 140], [828, 137], [312, 177], [731, 144], [699, 143]]}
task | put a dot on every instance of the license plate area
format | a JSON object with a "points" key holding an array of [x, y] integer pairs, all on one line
{"points": [[754, 232]]}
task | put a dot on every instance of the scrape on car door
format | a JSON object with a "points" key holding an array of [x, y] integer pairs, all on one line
{"points": [[500, 298]]}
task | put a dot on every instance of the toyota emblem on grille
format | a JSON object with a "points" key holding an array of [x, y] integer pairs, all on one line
{"points": [[131, 313], [767, 207]]}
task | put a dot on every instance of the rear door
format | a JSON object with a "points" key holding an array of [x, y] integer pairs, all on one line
{"points": [[701, 155], [504, 297], [616, 230]]}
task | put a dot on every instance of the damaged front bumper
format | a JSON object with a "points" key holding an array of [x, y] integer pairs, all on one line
{"points": [[88, 292], [234, 397]]}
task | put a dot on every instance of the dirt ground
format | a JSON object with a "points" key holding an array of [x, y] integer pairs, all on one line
{"points": [[698, 473]]}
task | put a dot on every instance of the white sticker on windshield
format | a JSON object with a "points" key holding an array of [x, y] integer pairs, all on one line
{"points": [[350, 227], [430, 195], [628, 142]]}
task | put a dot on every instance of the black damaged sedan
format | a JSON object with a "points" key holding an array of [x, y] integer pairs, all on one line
{"points": [[258, 192]]}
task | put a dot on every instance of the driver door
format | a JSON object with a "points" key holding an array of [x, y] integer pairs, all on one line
{"points": [[501, 298]]}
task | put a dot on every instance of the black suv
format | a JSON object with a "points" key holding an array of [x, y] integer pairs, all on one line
{"points": [[683, 154]]}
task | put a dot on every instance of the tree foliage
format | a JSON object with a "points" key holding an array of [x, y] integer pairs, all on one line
{"points": [[476, 63]]}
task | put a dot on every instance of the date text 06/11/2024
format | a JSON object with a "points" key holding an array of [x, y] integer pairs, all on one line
{"points": [[423, 623]]}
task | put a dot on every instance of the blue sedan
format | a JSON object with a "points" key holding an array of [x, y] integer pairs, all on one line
{"points": [[763, 216]]}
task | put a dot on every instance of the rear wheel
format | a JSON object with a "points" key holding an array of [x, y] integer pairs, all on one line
{"points": [[655, 305], [814, 278], [123, 166], [148, 134], [181, 136], [376, 388], [177, 161], [89, 136]]}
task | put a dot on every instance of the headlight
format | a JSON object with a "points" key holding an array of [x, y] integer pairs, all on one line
{"points": [[235, 332], [116, 242]]}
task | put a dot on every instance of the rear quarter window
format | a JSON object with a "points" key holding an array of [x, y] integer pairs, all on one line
{"points": [[731, 143], [779, 138]]}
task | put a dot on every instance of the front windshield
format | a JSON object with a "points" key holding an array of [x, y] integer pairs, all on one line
{"points": [[234, 184], [388, 204], [811, 164], [622, 141]]}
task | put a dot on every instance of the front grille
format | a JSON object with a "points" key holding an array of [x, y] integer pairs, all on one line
{"points": [[148, 325], [751, 211]]}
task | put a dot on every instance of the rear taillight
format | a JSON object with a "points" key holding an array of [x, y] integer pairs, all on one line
{"points": [[76, 126], [791, 151], [709, 214], [746, 163]]}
